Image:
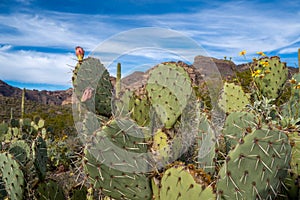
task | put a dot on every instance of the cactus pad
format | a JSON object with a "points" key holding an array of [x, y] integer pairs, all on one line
{"points": [[40, 158], [233, 98], [169, 89], [50, 191], [295, 160], [270, 74], [181, 182], [20, 150], [140, 109], [291, 109], [12, 176], [91, 74], [237, 126], [114, 183], [206, 145], [256, 167]]}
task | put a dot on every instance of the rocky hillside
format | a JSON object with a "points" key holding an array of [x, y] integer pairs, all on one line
{"points": [[60, 97], [203, 66]]}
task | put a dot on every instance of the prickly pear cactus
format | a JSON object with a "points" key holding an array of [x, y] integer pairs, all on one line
{"points": [[12, 176], [237, 126], [116, 159], [78, 193], [21, 151], [114, 183], [270, 74], [291, 109], [40, 158], [140, 109], [161, 147], [50, 191], [233, 98], [122, 105], [206, 145], [181, 182], [256, 167], [295, 159], [169, 88], [92, 86]]}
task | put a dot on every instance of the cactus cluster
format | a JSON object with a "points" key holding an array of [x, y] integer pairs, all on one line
{"points": [[134, 151], [270, 74]]}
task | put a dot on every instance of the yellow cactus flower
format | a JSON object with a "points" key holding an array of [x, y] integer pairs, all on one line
{"points": [[293, 81], [256, 73], [264, 63], [242, 53], [267, 71], [261, 53]]}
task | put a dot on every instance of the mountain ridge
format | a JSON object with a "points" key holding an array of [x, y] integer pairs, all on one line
{"points": [[63, 97]]}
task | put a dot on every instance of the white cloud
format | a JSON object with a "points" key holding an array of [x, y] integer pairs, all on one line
{"points": [[289, 50], [222, 30], [35, 67]]}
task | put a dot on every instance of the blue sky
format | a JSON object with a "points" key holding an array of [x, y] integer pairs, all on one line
{"points": [[37, 37]]}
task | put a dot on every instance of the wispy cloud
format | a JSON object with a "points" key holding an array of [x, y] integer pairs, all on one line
{"points": [[220, 29], [36, 67]]}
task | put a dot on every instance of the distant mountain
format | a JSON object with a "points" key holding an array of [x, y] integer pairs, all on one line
{"points": [[202, 66], [59, 97]]}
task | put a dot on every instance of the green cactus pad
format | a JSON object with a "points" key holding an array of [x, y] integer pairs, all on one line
{"points": [[169, 89], [140, 109], [50, 191], [79, 193], [91, 123], [233, 98], [295, 160], [121, 144], [291, 109], [206, 145], [179, 183], [122, 105], [12, 176], [161, 148], [116, 159], [3, 129], [237, 126], [114, 183], [270, 77], [40, 158], [20, 150], [256, 167], [91, 75]]}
